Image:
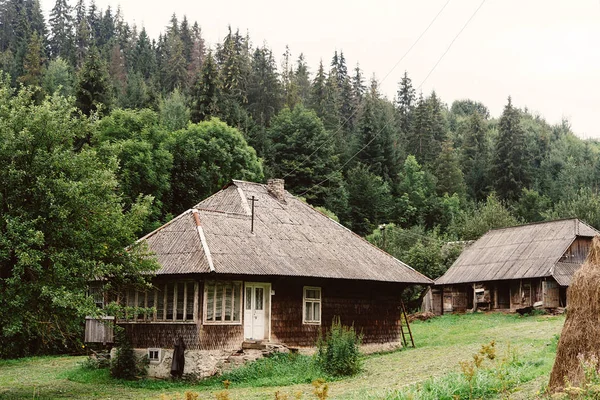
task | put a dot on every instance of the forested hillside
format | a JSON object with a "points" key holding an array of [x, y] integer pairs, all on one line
{"points": [[167, 121]]}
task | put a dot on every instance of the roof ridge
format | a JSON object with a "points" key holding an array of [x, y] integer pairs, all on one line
{"points": [[534, 223]]}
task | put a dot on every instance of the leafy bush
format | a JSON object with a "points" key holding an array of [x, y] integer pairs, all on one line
{"points": [[338, 353], [126, 365]]}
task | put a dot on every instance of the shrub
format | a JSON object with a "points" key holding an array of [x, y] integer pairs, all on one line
{"points": [[126, 365], [338, 353]]}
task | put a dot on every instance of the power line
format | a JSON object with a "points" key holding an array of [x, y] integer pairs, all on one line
{"points": [[387, 124], [451, 43], [384, 78]]}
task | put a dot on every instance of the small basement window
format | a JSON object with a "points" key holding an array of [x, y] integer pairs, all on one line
{"points": [[312, 305], [223, 303], [154, 355]]}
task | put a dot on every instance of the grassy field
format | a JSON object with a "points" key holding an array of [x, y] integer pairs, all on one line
{"points": [[441, 344]]}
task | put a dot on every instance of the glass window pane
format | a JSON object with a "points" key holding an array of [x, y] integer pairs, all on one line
{"points": [[141, 304], [219, 302], [259, 298], [180, 299], [317, 312], [248, 298], [170, 289], [308, 310], [228, 303], [313, 294], [189, 313], [160, 303], [210, 301]]}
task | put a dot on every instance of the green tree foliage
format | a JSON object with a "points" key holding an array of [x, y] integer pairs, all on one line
{"points": [[532, 206], [62, 225], [206, 156], [369, 199], [58, 78], [449, 176], [585, 205], [61, 25], [174, 112], [510, 167], [405, 104], [33, 64], [93, 85], [206, 94], [475, 157], [303, 152], [140, 144], [485, 216]]}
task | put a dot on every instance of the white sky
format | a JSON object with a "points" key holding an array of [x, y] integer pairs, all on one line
{"points": [[544, 53]]}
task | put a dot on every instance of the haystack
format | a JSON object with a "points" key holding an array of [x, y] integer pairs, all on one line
{"points": [[581, 332]]}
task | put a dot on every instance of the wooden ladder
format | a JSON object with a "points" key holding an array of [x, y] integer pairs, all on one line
{"points": [[404, 320]]}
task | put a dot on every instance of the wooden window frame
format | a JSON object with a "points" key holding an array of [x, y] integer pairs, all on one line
{"points": [[313, 301], [160, 315], [233, 284], [158, 354]]}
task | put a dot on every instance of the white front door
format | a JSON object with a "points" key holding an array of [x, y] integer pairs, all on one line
{"points": [[256, 303]]}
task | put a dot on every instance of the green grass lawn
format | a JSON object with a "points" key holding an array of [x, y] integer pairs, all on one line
{"points": [[441, 344]]}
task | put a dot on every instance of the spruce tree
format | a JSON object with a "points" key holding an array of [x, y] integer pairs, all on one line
{"points": [[93, 86], [510, 170], [82, 33], [206, 94], [33, 65], [318, 92], [144, 56], [450, 179], [475, 157], [61, 26], [301, 80], [405, 104]]}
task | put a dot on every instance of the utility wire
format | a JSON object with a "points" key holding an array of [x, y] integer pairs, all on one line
{"points": [[384, 78], [387, 124]]}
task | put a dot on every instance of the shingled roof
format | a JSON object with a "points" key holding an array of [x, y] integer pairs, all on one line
{"points": [[526, 251], [290, 239]]}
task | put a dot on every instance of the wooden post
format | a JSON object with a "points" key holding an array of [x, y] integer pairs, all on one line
{"points": [[496, 296], [253, 200], [474, 299], [196, 293], [185, 294]]}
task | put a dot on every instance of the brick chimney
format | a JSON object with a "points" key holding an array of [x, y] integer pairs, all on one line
{"points": [[276, 188]]}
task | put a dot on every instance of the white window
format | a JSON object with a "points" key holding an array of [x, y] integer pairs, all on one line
{"points": [[312, 305], [223, 303], [167, 302], [154, 355]]}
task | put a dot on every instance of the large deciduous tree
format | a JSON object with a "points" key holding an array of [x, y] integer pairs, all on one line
{"points": [[62, 225], [206, 156]]}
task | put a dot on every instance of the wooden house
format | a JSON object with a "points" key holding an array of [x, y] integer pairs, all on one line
{"points": [[513, 268], [252, 263]]}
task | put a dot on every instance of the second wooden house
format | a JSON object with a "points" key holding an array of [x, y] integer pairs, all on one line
{"points": [[514, 268]]}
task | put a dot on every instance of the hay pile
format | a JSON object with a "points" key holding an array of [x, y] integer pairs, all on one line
{"points": [[581, 332]]}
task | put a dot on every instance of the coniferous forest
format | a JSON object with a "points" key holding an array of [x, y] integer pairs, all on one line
{"points": [[107, 133]]}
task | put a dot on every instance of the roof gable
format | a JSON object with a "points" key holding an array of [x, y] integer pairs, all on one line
{"points": [[290, 239], [526, 251]]}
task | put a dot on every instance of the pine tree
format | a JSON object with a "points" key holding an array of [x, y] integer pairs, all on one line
{"points": [[33, 65], [206, 95], [185, 34], [82, 33], [37, 22], [198, 53], [301, 80], [117, 71], [318, 92], [405, 104], [264, 89], [475, 157], [358, 84], [144, 56], [509, 170], [175, 72], [106, 29], [93, 86], [290, 88], [61, 25], [450, 178]]}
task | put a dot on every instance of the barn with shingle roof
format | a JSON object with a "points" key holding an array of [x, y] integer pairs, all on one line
{"points": [[252, 263], [516, 267]]}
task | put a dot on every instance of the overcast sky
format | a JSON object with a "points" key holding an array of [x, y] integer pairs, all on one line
{"points": [[544, 53]]}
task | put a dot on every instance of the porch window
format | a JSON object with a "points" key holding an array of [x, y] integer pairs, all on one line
{"points": [[166, 302], [312, 305], [223, 303]]}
